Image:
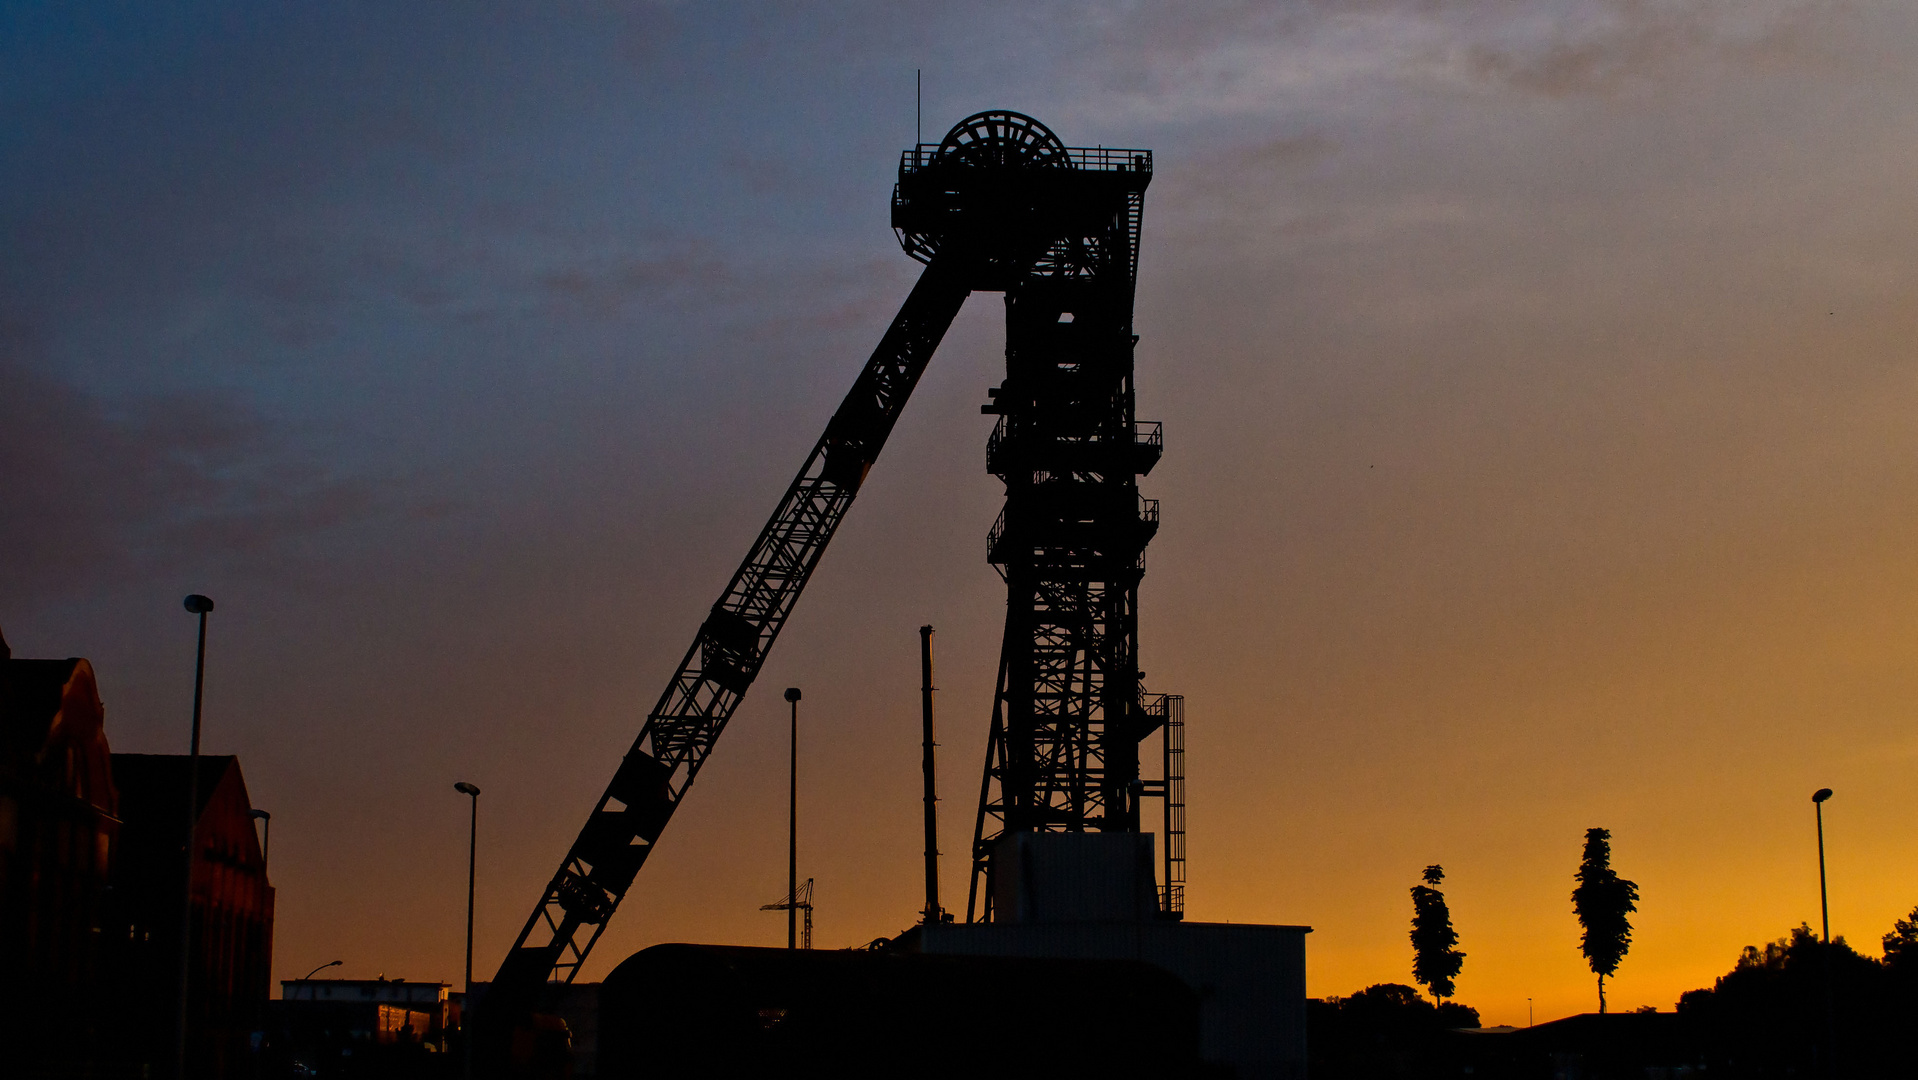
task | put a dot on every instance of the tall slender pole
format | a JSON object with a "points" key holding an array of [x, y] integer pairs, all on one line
{"points": [[933, 913], [472, 860], [1824, 906], [1824, 917], [198, 605], [792, 829]]}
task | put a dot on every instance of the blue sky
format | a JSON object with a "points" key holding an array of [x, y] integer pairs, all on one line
{"points": [[1536, 384]]}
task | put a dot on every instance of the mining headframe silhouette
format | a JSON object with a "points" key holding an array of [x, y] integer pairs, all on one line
{"points": [[1061, 868]]}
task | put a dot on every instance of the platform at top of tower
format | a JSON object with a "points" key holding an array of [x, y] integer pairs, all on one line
{"points": [[1003, 193]]}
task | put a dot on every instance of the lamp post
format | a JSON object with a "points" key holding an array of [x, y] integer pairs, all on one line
{"points": [[472, 854], [1824, 909], [792, 828], [472, 859], [266, 842], [322, 967], [1824, 917], [197, 605]]}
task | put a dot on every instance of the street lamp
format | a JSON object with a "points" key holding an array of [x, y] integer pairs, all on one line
{"points": [[1824, 910], [792, 828], [322, 967], [472, 858], [266, 843], [472, 854], [1824, 917], [197, 605]]}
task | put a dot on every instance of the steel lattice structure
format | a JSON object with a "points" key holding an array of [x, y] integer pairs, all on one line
{"points": [[1000, 204], [724, 658], [1069, 712]]}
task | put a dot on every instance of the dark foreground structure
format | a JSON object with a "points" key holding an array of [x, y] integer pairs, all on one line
{"points": [[92, 852], [727, 1011], [231, 948], [358, 1028], [1073, 959], [59, 820], [1091, 896], [1000, 204]]}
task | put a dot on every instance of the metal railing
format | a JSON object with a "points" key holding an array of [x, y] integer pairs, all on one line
{"points": [[1090, 158], [1148, 515], [1148, 433]]}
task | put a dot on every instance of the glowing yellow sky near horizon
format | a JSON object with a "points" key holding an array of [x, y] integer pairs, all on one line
{"points": [[1540, 454]]}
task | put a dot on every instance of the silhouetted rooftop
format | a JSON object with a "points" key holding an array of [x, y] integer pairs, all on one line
{"points": [[30, 693], [151, 786]]}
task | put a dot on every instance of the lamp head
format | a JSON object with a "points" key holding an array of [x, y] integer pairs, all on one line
{"points": [[792, 693], [199, 605], [259, 815], [465, 788], [1821, 795]]}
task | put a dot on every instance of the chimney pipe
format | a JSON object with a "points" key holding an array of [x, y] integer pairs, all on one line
{"points": [[933, 913]]}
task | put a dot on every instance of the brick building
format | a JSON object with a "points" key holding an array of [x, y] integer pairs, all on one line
{"points": [[232, 920], [92, 847], [59, 819]]}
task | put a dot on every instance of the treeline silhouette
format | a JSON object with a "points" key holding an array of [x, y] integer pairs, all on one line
{"points": [[1797, 1007], [1803, 1007], [1386, 1030]]}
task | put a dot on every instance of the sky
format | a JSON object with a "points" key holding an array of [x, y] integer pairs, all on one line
{"points": [[1537, 380]]}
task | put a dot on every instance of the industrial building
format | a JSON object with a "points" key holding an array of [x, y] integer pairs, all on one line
{"points": [[1073, 956], [1088, 896], [59, 819], [727, 1011], [92, 857], [318, 1026], [231, 924]]}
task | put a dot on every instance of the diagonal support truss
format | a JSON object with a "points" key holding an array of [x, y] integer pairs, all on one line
{"points": [[724, 658]]}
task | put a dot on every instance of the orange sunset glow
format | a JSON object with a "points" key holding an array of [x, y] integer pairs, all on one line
{"points": [[1541, 452]]}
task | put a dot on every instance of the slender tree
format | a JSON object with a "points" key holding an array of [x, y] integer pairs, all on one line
{"points": [[1602, 901], [1435, 959]]}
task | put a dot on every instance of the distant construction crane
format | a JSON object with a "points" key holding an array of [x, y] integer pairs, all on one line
{"points": [[799, 900], [1000, 204]]}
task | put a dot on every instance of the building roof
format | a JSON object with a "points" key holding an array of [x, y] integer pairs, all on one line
{"points": [[30, 695], [153, 829], [52, 734], [151, 784]]}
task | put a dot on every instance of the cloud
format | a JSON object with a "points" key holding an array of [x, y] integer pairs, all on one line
{"points": [[687, 270], [1616, 45], [99, 490], [1168, 64]]}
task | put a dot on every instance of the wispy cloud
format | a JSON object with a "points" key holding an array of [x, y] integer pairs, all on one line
{"points": [[99, 491]]}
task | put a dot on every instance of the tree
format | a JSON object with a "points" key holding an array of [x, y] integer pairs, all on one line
{"points": [[1768, 1017], [1435, 960], [1901, 945], [1602, 901], [1388, 1030]]}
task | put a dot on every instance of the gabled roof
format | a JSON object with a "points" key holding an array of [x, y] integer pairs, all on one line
{"points": [[152, 786], [52, 735], [30, 693]]}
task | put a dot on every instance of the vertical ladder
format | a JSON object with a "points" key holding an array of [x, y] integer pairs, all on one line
{"points": [[1172, 892]]}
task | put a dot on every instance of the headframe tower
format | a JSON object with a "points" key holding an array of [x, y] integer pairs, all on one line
{"points": [[1000, 204], [1069, 711]]}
